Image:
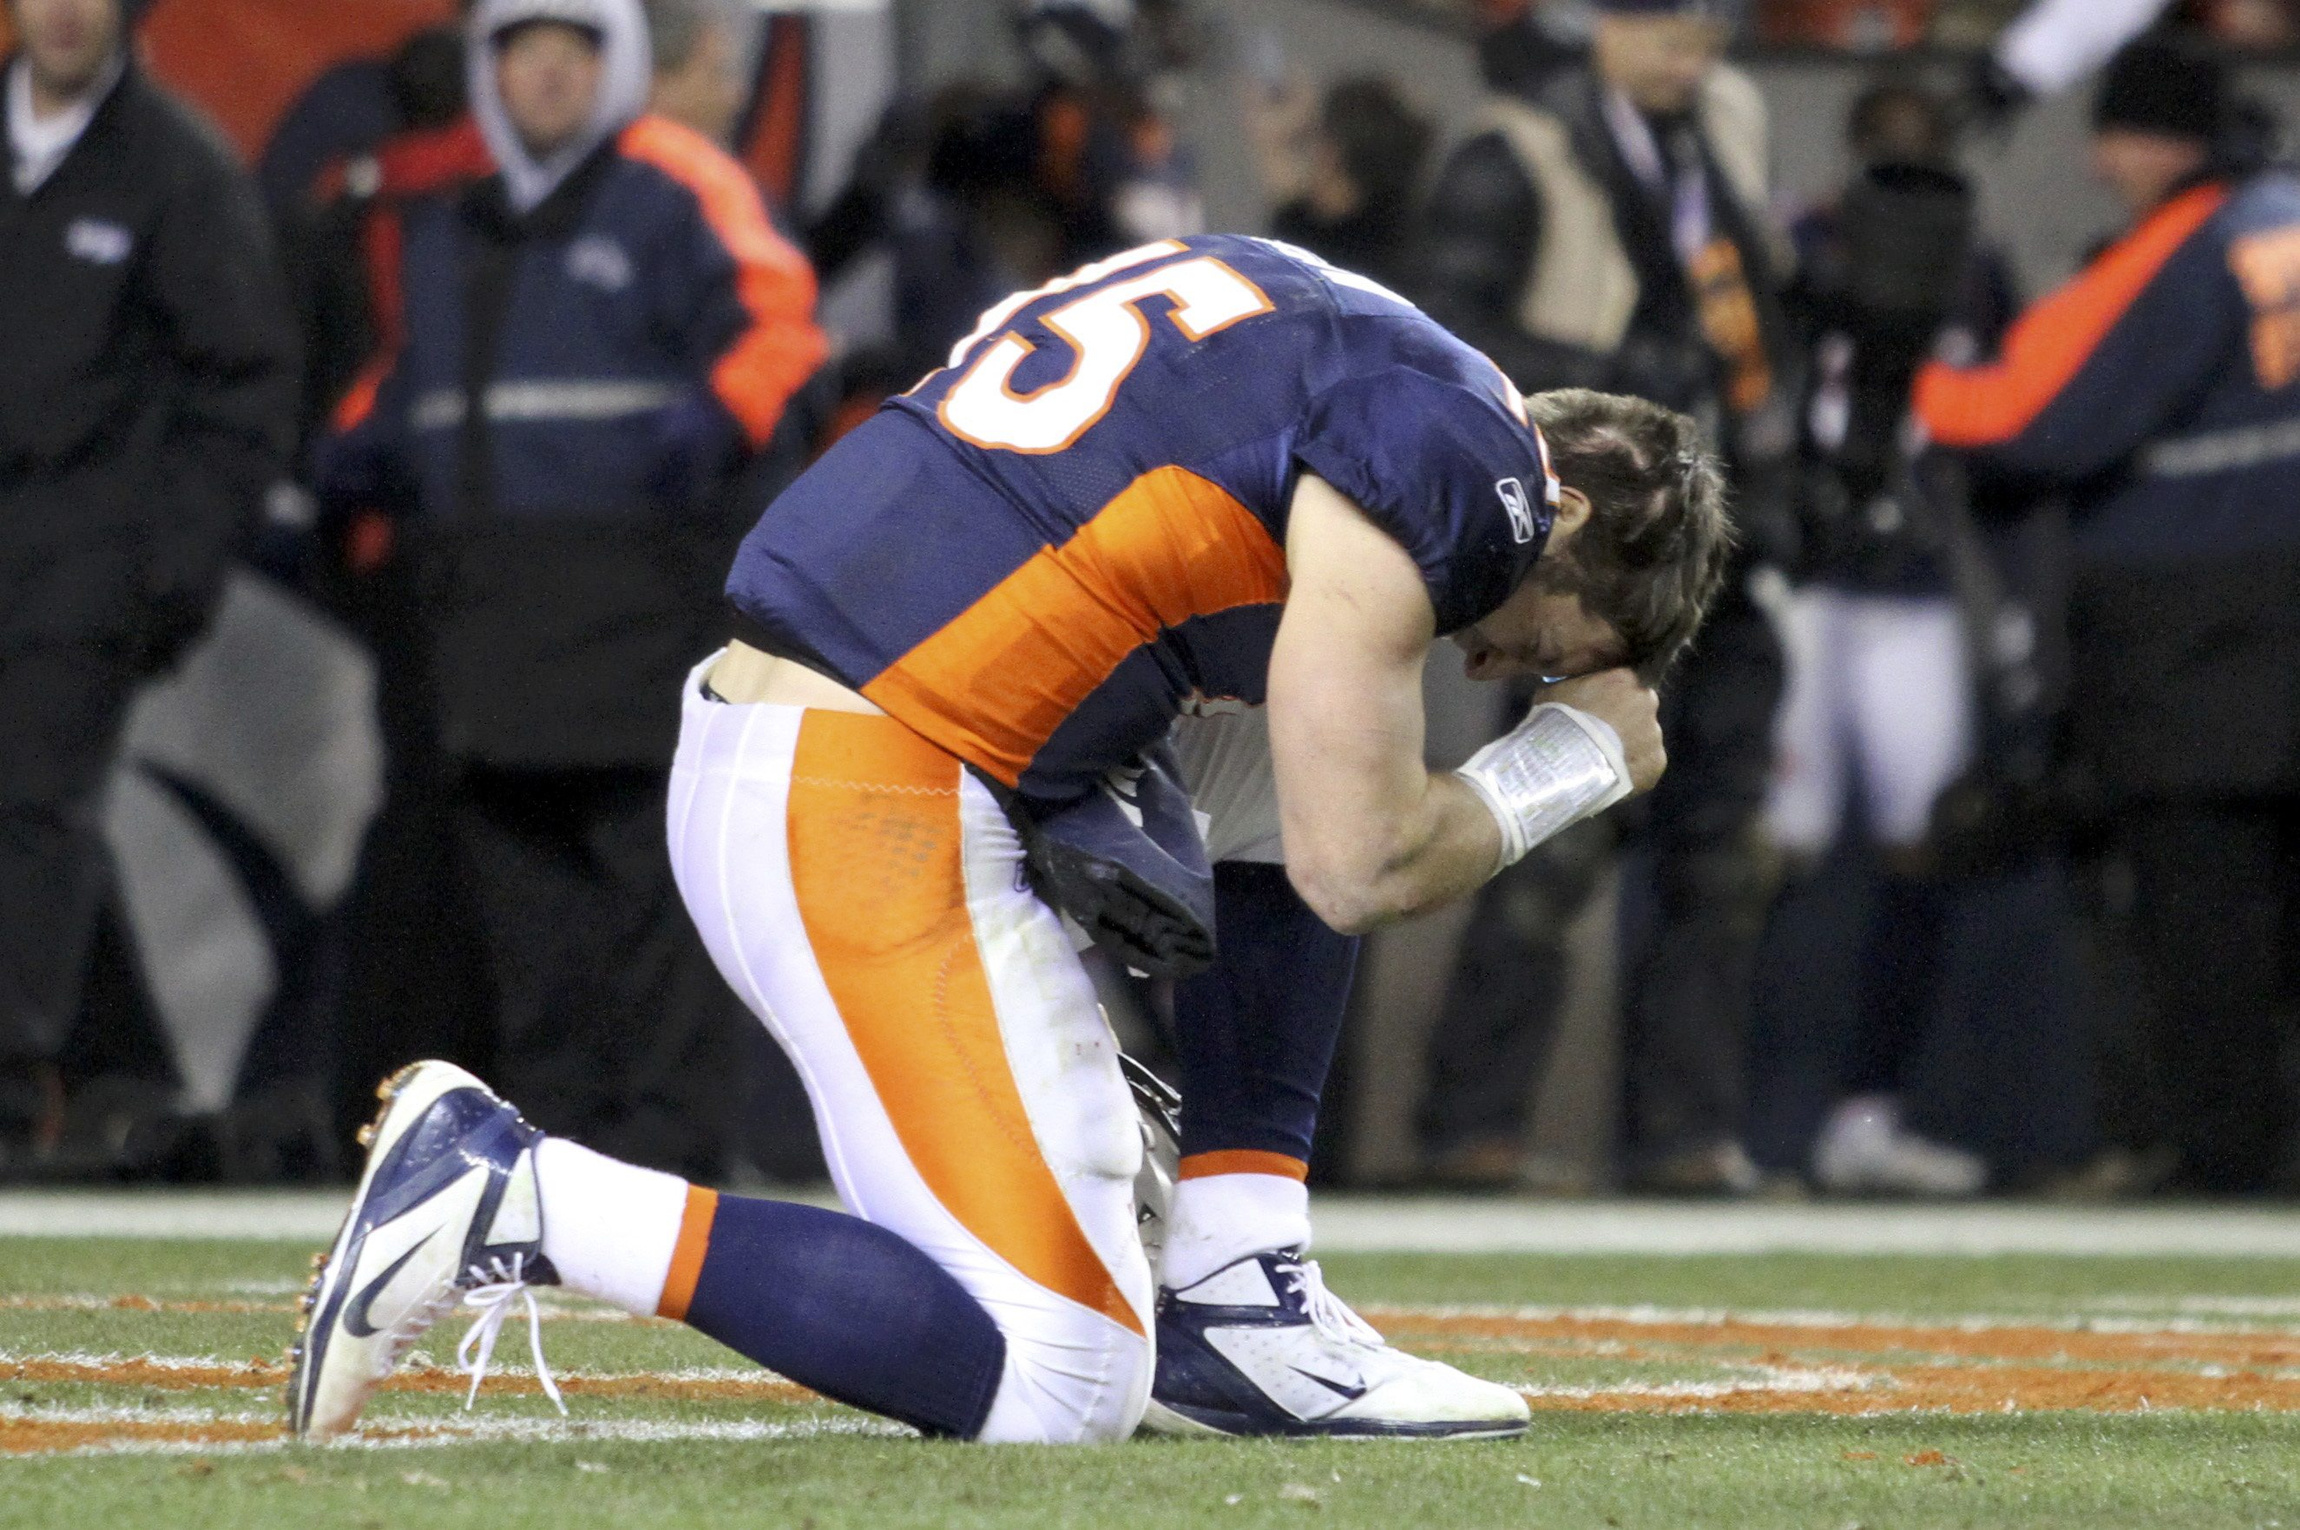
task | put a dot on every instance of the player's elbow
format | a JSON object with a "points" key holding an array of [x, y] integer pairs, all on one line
{"points": [[1349, 897]]}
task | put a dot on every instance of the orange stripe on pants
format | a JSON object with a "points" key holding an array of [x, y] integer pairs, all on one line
{"points": [[875, 855]]}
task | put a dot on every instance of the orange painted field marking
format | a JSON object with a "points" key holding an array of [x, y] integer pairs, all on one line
{"points": [[38, 1436], [1974, 1341], [1962, 1389], [1816, 1365]]}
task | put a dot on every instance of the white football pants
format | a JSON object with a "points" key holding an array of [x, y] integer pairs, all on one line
{"points": [[864, 894]]}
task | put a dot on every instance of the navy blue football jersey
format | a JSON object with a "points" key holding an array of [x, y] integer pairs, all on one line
{"points": [[1040, 554]]}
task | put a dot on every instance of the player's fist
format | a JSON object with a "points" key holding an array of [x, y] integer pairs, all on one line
{"points": [[1627, 705]]}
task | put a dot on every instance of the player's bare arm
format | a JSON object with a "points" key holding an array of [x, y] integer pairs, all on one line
{"points": [[1371, 833]]}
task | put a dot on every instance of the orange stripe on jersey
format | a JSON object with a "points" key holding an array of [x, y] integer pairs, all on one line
{"points": [[995, 682], [1242, 1161], [875, 862], [2043, 352], [773, 358], [687, 1254]]}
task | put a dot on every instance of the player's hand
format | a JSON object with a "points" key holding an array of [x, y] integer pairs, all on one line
{"points": [[1629, 706]]}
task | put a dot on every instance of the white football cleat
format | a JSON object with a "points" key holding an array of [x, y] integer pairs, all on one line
{"points": [[447, 1212], [1261, 1347]]}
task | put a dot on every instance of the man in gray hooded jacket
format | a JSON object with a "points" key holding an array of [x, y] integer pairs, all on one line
{"points": [[600, 343]]}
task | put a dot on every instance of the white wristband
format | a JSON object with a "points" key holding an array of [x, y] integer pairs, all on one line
{"points": [[1557, 767]]}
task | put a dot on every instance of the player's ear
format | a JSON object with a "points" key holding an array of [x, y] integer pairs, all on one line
{"points": [[1572, 513]]}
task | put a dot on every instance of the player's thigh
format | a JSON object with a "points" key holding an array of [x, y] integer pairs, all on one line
{"points": [[1806, 798], [1911, 708], [862, 894]]}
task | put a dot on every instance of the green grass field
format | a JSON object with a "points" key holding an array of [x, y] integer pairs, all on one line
{"points": [[139, 1387]]}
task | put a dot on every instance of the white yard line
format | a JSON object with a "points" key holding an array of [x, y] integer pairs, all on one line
{"points": [[393, 1433], [1772, 1378], [1374, 1224]]}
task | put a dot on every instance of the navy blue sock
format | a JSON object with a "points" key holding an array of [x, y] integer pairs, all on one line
{"points": [[1255, 1033], [850, 1309]]}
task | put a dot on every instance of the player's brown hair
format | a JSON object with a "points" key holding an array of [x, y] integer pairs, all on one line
{"points": [[1653, 554]]}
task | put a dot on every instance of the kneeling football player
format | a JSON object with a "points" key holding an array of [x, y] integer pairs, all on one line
{"points": [[1201, 471]]}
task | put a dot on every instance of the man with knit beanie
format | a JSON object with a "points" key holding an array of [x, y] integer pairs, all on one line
{"points": [[2159, 393]]}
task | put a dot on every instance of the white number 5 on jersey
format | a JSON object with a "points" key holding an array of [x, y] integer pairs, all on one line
{"points": [[1107, 334]]}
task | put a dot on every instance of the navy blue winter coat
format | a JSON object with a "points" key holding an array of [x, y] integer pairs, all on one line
{"points": [[571, 397]]}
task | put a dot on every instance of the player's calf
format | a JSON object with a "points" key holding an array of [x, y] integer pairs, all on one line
{"points": [[464, 1203]]}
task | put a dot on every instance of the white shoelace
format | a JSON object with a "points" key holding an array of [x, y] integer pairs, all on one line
{"points": [[499, 1286], [1328, 1313]]}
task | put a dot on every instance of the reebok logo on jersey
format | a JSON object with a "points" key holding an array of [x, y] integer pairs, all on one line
{"points": [[1513, 500]]}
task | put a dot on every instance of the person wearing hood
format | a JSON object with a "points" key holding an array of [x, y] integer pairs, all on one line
{"points": [[2158, 393], [597, 349], [150, 402]]}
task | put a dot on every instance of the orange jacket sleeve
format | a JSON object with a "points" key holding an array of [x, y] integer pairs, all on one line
{"points": [[771, 344]]}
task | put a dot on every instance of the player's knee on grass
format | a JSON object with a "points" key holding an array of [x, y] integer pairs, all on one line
{"points": [[1075, 1374], [1067, 1387]]}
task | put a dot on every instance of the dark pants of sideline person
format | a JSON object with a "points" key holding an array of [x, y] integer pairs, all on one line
{"points": [[2216, 888], [613, 1028], [1694, 906], [61, 711]]}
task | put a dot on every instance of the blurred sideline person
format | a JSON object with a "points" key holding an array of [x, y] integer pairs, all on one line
{"points": [[1342, 168], [698, 58], [341, 224], [2160, 391], [1608, 229], [149, 405], [1878, 699], [413, 979], [1202, 471], [596, 342], [980, 190]]}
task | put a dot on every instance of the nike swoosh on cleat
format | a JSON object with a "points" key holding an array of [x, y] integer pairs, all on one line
{"points": [[355, 1320], [1348, 1392]]}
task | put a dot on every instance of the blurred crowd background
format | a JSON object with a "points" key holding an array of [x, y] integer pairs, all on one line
{"points": [[336, 698]]}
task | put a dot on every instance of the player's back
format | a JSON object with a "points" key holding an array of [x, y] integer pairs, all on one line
{"points": [[1047, 548]]}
